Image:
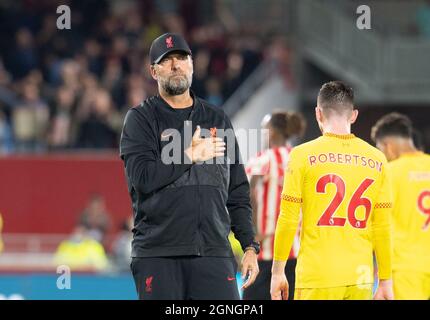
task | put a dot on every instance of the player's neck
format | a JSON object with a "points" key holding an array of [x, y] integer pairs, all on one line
{"points": [[274, 143], [337, 128], [180, 101], [406, 147]]}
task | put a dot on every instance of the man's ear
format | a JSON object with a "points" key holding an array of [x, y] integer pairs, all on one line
{"points": [[354, 116], [318, 114], [192, 64], [153, 72], [391, 150]]}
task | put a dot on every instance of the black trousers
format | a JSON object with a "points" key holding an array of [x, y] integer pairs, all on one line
{"points": [[185, 278], [260, 290]]}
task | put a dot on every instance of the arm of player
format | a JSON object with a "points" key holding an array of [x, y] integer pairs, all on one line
{"points": [[381, 237], [286, 229], [286, 226], [138, 147], [254, 204]]}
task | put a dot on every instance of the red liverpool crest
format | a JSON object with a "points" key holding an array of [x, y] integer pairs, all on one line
{"points": [[213, 132], [148, 283], [169, 42]]}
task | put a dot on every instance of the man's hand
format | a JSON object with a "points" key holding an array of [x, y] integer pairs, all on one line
{"points": [[249, 267], [279, 287], [385, 290], [203, 149]]}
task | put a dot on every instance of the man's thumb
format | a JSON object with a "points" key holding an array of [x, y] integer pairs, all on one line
{"points": [[197, 133]]}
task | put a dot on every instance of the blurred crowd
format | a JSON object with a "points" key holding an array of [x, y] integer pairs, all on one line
{"points": [[63, 89], [88, 247]]}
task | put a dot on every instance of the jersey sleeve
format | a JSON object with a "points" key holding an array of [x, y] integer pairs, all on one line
{"points": [[381, 226], [291, 199]]}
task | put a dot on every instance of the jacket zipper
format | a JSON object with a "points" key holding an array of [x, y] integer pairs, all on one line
{"points": [[199, 207]]}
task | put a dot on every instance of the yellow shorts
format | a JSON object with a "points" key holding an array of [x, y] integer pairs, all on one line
{"points": [[411, 285], [356, 292]]}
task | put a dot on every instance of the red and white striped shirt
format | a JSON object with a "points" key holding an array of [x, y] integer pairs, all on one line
{"points": [[270, 164]]}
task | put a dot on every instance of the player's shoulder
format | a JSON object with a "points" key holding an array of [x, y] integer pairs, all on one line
{"points": [[397, 163], [425, 156], [146, 107], [424, 159], [142, 111], [371, 150]]}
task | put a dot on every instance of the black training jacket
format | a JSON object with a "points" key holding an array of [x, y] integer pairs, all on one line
{"points": [[182, 209]]}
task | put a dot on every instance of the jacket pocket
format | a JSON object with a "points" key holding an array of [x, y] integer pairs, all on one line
{"points": [[215, 175], [215, 219], [171, 217]]}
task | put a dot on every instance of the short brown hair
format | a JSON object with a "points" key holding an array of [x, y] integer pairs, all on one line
{"points": [[392, 124], [288, 124], [337, 97]]}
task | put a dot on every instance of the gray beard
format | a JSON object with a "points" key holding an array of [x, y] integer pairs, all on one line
{"points": [[176, 87]]}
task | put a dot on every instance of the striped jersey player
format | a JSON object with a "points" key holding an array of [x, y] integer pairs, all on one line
{"points": [[266, 175], [270, 166]]}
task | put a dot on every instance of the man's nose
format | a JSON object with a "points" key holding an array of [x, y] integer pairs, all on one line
{"points": [[174, 63]]}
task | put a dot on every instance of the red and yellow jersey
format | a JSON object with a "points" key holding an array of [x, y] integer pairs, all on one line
{"points": [[410, 176], [341, 185]]}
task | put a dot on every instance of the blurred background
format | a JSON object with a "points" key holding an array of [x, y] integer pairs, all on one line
{"points": [[64, 93]]}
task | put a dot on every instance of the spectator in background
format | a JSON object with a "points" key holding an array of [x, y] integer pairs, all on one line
{"points": [[81, 252], [136, 91], [93, 53], [6, 100], [89, 86], [279, 52], [5, 77], [233, 74], [24, 55], [30, 119], [6, 139], [69, 74], [135, 96], [121, 249], [200, 75], [112, 78], [60, 132], [95, 218], [100, 129]]}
